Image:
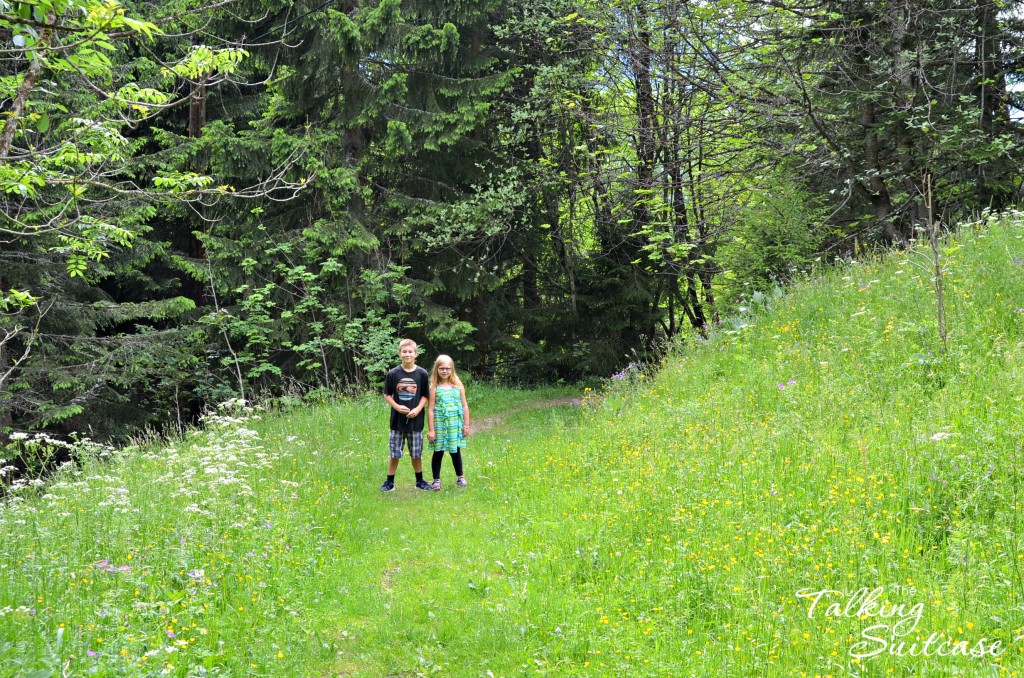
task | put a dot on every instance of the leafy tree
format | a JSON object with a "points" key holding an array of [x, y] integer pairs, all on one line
{"points": [[890, 92], [83, 173]]}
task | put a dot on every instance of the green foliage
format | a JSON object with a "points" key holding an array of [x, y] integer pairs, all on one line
{"points": [[202, 60], [775, 238], [14, 300], [268, 195]]}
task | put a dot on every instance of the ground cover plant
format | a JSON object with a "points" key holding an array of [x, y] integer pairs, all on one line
{"points": [[715, 516]]}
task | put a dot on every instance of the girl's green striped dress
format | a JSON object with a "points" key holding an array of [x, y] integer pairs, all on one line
{"points": [[448, 422]]}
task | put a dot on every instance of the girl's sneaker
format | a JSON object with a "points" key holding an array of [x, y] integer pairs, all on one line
{"points": [[436, 485], [461, 482]]}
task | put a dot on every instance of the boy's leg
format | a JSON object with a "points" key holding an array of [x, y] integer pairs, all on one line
{"points": [[416, 454], [394, 455], [395, 444]]}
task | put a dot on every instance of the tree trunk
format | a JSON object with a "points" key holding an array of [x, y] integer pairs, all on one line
{"points": [[992, 98], [197, 108], [483, 367], [35, 69], [877, 190], [5, 409], [561, 239], [196, 289], [646, 144]]}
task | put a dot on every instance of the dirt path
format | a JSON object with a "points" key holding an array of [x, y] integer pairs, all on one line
{"points": [[488, 423]]}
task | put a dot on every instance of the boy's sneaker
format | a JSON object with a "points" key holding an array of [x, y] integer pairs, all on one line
{"points": [[388, 486], [461, 482], [422, 485], [436, 485]]}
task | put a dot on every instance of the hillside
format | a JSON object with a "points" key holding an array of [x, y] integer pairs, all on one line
{"points": [[817, 489]]}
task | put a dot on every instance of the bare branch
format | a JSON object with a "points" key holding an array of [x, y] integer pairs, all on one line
{"points": [[9, 335]]}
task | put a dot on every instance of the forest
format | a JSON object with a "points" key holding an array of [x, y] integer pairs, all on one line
{"points": [[255, 198]]}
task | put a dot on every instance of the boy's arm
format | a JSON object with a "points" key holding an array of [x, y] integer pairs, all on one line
{"points": [[389, 395], [424, 389], [400, 408], [465, 412]]}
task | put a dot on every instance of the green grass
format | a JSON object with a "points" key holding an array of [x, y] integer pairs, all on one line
{"points": [[664, 528]]}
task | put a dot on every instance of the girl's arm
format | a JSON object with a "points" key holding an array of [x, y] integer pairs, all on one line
{"points": [[465, 412], [430, 414]]}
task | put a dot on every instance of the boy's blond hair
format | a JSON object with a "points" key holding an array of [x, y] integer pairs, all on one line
{"points": [[405, 342], [444, 360]]}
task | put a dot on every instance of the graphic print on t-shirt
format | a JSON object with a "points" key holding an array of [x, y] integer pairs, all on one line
{"points": [[405, 392]]}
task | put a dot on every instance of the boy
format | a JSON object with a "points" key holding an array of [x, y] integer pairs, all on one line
{"points": [[406, 388]]}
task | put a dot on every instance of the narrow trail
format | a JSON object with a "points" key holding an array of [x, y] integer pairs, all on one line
{"points": [[489, 423]]}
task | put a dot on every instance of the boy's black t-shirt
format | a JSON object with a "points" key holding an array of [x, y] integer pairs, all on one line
{"points": [[407, 388]]}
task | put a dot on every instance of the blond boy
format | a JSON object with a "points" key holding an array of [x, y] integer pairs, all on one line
{"points": [[406, 388]]}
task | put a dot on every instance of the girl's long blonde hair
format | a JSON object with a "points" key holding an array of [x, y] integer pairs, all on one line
{"points": [[448, 362]]}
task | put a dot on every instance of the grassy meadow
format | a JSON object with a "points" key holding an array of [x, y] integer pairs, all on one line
{"points": [[816, 490]]}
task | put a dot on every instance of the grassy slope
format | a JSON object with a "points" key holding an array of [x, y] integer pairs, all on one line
{"points": [[808, 451], [663, 530]]}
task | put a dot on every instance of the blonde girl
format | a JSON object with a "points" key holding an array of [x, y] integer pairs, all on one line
{"points": [[447, 418]]}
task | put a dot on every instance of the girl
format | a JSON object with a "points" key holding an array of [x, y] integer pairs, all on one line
{"points": [[447, 418]]}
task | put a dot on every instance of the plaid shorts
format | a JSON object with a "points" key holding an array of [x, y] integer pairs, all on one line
{"points": [[397, 439]]}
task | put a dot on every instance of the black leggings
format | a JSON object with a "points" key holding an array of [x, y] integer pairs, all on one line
{"points": [[435, 462]]}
